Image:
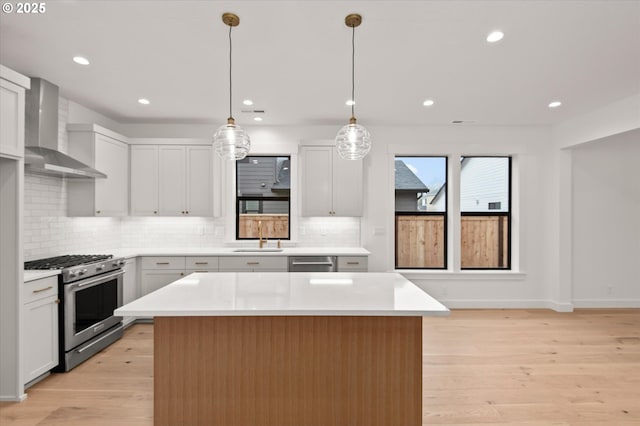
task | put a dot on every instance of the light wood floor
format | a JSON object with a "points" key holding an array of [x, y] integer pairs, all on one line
{"points": [[522, 367]]}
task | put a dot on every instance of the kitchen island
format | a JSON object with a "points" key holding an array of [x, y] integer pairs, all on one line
{"points": [[287, 349]]}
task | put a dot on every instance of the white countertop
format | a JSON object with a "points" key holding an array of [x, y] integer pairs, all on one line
{"points": [[287, 293], [36, 275], [231, 251]]}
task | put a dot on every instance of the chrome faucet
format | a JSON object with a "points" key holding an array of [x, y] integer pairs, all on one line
{"points": [[262, 241]]}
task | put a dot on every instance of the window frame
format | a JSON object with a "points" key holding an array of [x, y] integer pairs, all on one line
{"points": [[444, 214], [260, 199], [507, 214]]}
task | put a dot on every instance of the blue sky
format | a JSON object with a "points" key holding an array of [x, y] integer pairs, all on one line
{"points": [[430, 170]]}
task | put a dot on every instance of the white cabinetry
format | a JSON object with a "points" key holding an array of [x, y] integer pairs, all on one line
{"points": [[40, 331], [353, 264], [158, 271], [254, 264], [129, 286], [331, 186], [12, 110], [107, 152], [144, 180], [171, 180]]}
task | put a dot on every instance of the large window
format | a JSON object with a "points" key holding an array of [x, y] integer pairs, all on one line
{"points": [[262, 197], [485, 206], [421, 212]]}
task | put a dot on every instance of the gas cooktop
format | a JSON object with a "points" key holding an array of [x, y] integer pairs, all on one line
{"points": [[67, 261]]}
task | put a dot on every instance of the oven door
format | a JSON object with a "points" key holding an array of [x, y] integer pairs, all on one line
{"points": [[89, 306]]}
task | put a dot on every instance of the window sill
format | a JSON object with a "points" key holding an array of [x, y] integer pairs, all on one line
{"points": [[462, 275]]}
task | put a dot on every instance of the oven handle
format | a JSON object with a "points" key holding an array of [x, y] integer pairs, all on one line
{"points": [[95, 342], [98, 280]]}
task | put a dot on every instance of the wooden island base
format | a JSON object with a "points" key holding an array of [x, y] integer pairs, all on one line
{"points": [[288, 371]]}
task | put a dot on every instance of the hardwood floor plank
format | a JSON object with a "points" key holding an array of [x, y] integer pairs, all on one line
{"points": [[480, 367]]}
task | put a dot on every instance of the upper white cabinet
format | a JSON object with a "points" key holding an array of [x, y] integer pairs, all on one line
{"points": [[12, 87], [107, 152], [331, 186], [171, 180], [144, 180]]}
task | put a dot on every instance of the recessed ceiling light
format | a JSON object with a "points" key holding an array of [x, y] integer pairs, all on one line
{"points": [[555, 104], [257, 118], [495, 36], [144, 101], [80, 60], [247, 102], [350, 102], [428, 102]]}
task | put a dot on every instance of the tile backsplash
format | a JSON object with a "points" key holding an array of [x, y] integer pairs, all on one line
{"points": [[49, 232]]}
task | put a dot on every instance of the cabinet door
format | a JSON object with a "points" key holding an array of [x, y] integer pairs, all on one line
{"points": [[353, 264], [316, 171], [172, 180], [199, 187], [347, 186], [12, 119], [40, 342], [144, 180], [112, 193], [154, 280], [129, 282]]}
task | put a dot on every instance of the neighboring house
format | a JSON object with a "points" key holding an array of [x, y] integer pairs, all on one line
{"points": [[410, 191], [484, 186], [261, 179]]}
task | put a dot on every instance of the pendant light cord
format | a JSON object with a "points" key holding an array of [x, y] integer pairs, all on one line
{"points": [[230, 82], [353, 72]]}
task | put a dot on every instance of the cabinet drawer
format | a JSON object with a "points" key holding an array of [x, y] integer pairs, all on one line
{"points": [[202, 263], [163, 262], [40, 289], [353, 264], [253, 263]]}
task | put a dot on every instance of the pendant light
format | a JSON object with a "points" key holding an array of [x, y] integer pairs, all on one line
{"points": [[353, 140], [230, 141]]}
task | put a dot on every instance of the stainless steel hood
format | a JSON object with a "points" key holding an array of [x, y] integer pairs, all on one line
{"points": [[41, 154]]}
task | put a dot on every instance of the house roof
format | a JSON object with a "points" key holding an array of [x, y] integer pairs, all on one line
{"points": [[406, 180]]}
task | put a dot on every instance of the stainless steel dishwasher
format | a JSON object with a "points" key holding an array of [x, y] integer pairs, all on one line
{"points": [[313, 263]]}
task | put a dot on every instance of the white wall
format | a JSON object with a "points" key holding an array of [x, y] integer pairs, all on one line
{"points": [[606, 222]]}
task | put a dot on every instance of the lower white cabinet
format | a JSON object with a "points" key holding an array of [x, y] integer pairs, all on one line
{"points": [[129, 286], [40, 330], [152, 280], [158, 271], [353, 264], [254, 264]]}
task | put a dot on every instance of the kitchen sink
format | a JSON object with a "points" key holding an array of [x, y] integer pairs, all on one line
{"points": [[257, 250]]}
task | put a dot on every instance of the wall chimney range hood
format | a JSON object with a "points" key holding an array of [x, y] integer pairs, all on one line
{"points": [[41, 153]]}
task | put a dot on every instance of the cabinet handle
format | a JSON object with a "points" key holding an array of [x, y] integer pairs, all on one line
{"points": [[182, 212], [253, 263], [97, 211], [187, 211], [155, 212], [43, 289], [202, 263], [353, 263], [182, 274], [58, 301], [162, 263]]}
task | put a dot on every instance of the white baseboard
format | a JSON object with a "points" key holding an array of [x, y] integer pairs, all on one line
{"points": [[13, 398], [606, 303], [559, 306], [493, 304]]}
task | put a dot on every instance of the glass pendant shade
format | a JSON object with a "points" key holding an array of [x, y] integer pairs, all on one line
{"points": [[231, 142], [353, 141]]}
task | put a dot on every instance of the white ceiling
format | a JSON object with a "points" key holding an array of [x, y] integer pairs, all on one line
{"points": [[293, 59]]}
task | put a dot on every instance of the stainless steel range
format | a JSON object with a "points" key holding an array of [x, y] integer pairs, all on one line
{"points": [[89, 289]]}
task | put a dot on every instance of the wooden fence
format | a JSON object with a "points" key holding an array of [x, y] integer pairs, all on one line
{"points": [[273, 225], [420, 241]]}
